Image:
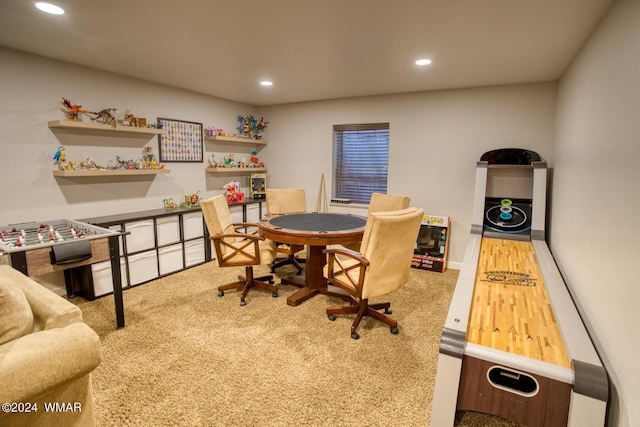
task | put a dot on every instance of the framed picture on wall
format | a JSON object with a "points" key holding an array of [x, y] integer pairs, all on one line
{"points": [[183, 141]]}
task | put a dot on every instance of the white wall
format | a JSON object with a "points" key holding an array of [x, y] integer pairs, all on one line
{"points": [[32, 88], [436, 138], [595, 207]]}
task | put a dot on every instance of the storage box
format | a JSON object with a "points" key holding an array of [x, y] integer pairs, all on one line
{"points": [[141, 235], [170, 259], [143, 267], [194, 252], [193, 225], [168, 230]]}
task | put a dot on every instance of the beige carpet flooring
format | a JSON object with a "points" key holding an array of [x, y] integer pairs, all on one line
{"points": [[190, 358]]}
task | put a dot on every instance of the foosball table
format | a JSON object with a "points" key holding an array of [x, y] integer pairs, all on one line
{"points": [[63, 245]]}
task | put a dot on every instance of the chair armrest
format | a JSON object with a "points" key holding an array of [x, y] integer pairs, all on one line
{"points": [[42, 360], [244, 224], [238, 236], [343, 262], [357, 256]]}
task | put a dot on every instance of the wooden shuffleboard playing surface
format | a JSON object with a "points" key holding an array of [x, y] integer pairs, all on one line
{"points": [[510, 309]]}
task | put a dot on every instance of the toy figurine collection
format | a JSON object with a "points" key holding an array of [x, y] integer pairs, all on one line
{"points": [[229, 161], [249, 128], [107, 116], [148, 161]]}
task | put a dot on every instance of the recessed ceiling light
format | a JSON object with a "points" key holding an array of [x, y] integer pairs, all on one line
{"points": [[423, 61], [266, 83], [50, 8]]}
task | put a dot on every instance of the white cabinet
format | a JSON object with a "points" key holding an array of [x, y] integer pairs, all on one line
{"points": [[159, 242]]}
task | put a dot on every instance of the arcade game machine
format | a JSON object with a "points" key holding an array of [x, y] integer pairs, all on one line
{"points": [[513, 344], [432, 244]]}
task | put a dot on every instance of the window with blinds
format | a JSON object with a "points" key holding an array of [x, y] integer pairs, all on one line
{"points": [[360, 161]]}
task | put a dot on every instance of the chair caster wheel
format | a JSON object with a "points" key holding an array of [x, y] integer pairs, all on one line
{"points": [[273, 270], [271, 282], [394, 331], [220, 293], [275, 295], [332, 317], [387, 311], [242, 303], [299, 272], [355, 336]]}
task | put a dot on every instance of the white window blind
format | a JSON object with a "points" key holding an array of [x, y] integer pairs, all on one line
{"points": [[360, 161]]}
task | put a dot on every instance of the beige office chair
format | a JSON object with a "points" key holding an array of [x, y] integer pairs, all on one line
{"points": [[381, 266], [381, 202], [237, 248], [286, 201]]}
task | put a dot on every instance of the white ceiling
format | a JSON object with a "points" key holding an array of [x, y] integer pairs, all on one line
{"points": [[312, 50]]}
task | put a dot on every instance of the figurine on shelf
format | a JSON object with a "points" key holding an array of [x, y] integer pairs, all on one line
{"points": [[229, 161], [60, 155], [254, 158], [234, 195], [149, 159], [108, 116], [191, 200], [213, 131], [250, 127], [212, 162], [68, 166], [128, 119], [147, 153], [88, 164], [125, 164], [72, 110], [169, 203]]}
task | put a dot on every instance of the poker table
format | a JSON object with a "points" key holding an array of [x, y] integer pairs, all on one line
{"points": [[315, 231]]}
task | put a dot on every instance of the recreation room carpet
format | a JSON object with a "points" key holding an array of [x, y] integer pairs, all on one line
{"points": [[187, 357]]}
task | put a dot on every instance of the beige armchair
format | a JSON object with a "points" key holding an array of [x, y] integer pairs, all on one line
{"points": [[47, 354], [387, 202], [381, 266], [282, 201], [237, 248], [381, 202]]}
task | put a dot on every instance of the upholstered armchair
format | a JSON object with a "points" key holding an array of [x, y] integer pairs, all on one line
{"points": [[381, 202], [47, 354], [234, 247], [380, 267], [282, 201]]}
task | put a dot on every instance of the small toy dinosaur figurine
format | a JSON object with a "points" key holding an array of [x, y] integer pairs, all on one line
{"points": [[72, 110], [107, 115]]}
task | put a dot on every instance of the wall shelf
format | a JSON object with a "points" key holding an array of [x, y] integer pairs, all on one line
{"points": [[235, 170], [217, 138], [104, 129], [109, 172]]}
